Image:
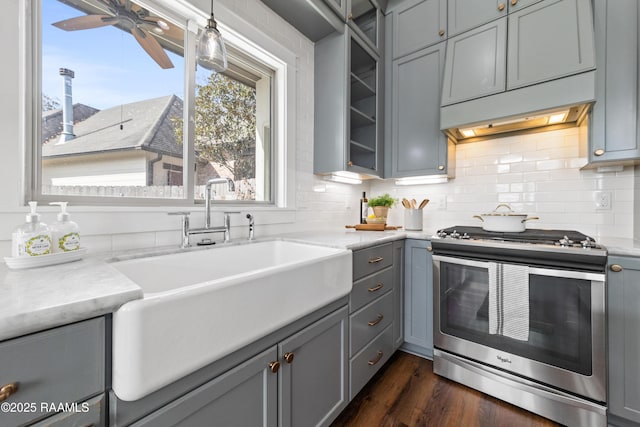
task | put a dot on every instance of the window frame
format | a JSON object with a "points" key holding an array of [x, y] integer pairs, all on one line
{"points": [[191, 20]]}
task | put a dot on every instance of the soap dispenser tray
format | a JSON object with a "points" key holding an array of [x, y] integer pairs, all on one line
{"points": [[17, 263]]}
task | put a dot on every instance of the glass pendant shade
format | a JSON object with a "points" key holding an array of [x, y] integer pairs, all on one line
{"points": [[211, 53]]}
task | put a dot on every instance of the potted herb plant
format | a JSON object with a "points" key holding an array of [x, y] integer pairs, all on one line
{"points": [[380, 206]]}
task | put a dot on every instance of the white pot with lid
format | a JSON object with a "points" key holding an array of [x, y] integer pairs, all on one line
{"points": [[504, 221]]}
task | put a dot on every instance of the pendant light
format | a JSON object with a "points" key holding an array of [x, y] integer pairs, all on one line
{"points": [[211, 53]]}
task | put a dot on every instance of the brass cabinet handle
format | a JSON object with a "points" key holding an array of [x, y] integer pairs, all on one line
{"points": [[598, 152], [429, 248], [349, 163], [514, 2], [288, 357], [375, 260], [377, 358], [441, 167], [350, 17], [7, 390], [376, 287], [274, 366], [501, 7], [441, 32], [616, 268], [375, 322]]}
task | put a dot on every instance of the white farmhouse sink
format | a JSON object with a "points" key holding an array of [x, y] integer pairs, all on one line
{"points": [[199, 306]]}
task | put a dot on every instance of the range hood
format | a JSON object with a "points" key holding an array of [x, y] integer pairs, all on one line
{"points": [[545, 106]]}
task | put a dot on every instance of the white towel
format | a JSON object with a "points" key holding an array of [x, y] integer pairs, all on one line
{"points": [[494, 298], [515, 301]]}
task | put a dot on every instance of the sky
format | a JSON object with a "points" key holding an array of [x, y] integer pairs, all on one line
{"points": [[102, 59]]}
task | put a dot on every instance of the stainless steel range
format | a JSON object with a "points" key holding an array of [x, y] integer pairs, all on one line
{"points": [[520, 316]]}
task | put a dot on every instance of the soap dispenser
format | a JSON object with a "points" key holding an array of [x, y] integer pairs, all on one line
{"points": [[33, 238], [65, 233]]}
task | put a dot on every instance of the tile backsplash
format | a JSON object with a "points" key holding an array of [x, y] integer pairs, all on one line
{"points": [[538, 174]]}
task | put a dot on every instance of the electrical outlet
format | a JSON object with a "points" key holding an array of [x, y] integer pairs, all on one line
{"points": [[441, 202], [603, 200]]}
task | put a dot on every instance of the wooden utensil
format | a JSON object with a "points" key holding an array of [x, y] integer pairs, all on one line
{"points": [[413, 203], [423, 203], [406, 203]]}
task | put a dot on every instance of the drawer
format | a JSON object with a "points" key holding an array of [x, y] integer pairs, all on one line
{"points": [[368, 289], [366, 363], [368, 322], [370, 260], [61, 366]]}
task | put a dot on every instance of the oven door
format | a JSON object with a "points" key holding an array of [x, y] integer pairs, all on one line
{"points": [[564, 346]]}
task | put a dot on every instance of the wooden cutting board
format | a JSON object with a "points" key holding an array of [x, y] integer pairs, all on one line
{"points": [[374, 227]]}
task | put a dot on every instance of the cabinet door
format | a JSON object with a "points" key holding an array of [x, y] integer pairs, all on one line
{"points": [[418, 147], [515, 5], [398, 293], [418, 24], [623, 290], [418, 306], [244, 396], [614, 122], [482, 50], [365, 19], [313, 381], [549, 40], [466, 14]]}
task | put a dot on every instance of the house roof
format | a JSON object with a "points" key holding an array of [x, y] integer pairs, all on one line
{"points": [[143, 125], [52, 120]]}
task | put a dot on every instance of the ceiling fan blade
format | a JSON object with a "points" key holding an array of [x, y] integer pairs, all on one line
{"points": [[85, 22], [152, 47], [168, 29]]}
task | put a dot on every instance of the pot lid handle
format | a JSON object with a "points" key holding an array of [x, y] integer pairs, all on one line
{"points": [[503, 205]]}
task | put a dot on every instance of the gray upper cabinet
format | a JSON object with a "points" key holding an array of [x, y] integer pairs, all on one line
{"points": [[365, 19], [348, 106], [418, 147], [623, 294], [339, 7], [466, 14], [418, 24], [615, 124], [549, 40], [313, 18], [476, 63]]}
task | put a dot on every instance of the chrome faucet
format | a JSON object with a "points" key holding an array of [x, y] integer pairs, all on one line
{"points": [[226, 228]]}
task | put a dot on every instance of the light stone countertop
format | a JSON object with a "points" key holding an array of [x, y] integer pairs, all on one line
{"points": [[40, 298], [36, 299]]}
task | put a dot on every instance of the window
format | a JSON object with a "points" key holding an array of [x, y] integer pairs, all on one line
{"points": [[124, 110]]}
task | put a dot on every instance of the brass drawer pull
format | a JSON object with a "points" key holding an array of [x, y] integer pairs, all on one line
{"points": [[514, 2], [7, 390], [616, 268], [501, 7], [274, 366], [288, 357], [375, 322], [598, 152], [375, 260], [441, 33], [376, 287], [377, 358]]}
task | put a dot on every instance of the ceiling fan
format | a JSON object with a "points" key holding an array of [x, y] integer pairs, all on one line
{"points": [[133, 18]]}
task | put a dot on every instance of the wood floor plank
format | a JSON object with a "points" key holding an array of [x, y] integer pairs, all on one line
{"points": [[406, 393]]}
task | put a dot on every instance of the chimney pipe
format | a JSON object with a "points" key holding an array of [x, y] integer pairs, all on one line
{"points": [[67, 107]]}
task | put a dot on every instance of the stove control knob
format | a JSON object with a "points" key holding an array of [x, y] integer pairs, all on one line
{"points": [[442, 234], [465, 236], [565, 241], [455, 234]]}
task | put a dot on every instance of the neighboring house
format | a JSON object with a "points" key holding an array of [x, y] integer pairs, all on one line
{"points": [[52, 120], [129, 145]]}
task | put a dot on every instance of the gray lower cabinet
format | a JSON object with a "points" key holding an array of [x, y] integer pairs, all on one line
{"points": [[418, 298], [54, 372], [91, 412], [623, 294], [300, 381], [615, 124], [398, 293], [418, 147], [373, 311]]}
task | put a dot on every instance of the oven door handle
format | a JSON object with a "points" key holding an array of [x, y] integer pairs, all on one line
{"points": [[461, 261], [567, 274]]}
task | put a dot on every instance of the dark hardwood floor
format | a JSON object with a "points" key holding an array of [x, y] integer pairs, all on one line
{"points": [[407, 393]]}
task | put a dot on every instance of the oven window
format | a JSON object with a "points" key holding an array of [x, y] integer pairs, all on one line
{"points": [[559, 316]]}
